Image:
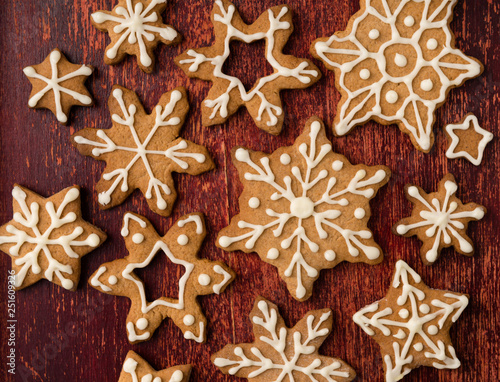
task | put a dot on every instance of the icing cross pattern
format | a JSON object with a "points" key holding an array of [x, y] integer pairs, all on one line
{"points": [[130, 367], [438, 65], [301, 207], [420, 321]]}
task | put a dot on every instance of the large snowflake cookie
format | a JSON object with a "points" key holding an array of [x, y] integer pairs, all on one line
{"points": [[180, 245], [228, 92], [58, 85], [135, 28], [304, 208], [142, 150], [411, 324], [136, 369], [282, 354], [47, 237], [439, 220], [396, 63]]}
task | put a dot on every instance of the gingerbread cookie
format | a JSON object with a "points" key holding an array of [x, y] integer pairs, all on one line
{"points": [[135, 27], [467, 140], [58, 85], [228, 92], [279, 353], [411, 324], [180, 245], [396, 63], [142, 150], [136, 369], [439, 220], [304, 208], [47, 237]]}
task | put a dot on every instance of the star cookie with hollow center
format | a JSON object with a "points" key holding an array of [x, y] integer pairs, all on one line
{"points": [[396, 63], [228, 93], [411, 324], [304, 208], [136, 369]]}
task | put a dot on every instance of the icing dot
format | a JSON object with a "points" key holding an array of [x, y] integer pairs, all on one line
{"points": [[432, 44], [204, 279], [254, 202], [176, 377], [157, 379], [242, 155], [302, 207], [93, 240], [392, 97], [112, 280], [138, 238], [364, 74], [182, 239], [337, 165], [374, 34], [285, 159], [225, 241], [409, 21], [427, 85], [188, 320], [359, 213], [418, 347], [330, 255], [273, 254], [142, 323], [432, 330], [403, 313], [400, 60], [67, 284], [424, 308]]}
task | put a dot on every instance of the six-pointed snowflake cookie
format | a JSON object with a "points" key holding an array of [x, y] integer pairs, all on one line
{"points": [[467, 140], [282, 354], [142, 150], [181, 245], [396, 63], [228, 92], [136, 369], [135, 27], [304, 208], [58, 85], [439, 220], [411, 324], [47, 237]]}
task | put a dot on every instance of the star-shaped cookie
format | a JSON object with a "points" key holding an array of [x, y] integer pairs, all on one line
{"points": [[47, 237], [136, 369], [439, 220], [181, 245], [411, 324], [228, 92], [58, 85]]}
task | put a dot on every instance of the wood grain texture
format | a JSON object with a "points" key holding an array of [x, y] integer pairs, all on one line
{"points": [[80, 336]]}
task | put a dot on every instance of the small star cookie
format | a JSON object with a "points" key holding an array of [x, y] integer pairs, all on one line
{"points": [[58, 85], [411, 324], [181, 244], [136, 369]]}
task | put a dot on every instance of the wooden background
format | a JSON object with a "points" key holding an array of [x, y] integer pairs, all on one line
{"points": [[80, 336]]}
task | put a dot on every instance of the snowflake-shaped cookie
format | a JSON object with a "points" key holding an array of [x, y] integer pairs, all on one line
{"points": [[304, 209], [439, 220], [228, 92], [181, 244], [142, 150], [411, 324], [396, 63], [47, 237], [282, 354], [135, 28], [58, 85], [136, 369]]}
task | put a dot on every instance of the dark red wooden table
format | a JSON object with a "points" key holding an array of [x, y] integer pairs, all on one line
{"points": [[80, 336]]}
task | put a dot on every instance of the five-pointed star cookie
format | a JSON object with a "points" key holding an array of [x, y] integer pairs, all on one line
{"points": [[467, 140], [136, 369], [439, 220], [411, 324], [181, 244], [135, 28], [47, 237], [282, 354], [58, 85], [304, 208], [396, 63], [142, 150], [228, 92]]}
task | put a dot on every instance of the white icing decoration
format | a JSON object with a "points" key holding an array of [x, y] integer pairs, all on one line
{"points": [[364, 74], [188, 320], [204, 279], [190, 336], [138, 238], [409, 21], [226, 277], [173, 153], [96, 283], [182, 239], [404, 313], [330, 255], [54, 84], [487, 137], [359, 213], [387, 15], [432, 44], [133, 336], [130, 367], [374, 34], [41, 242], [285, 159], [112, 280], [337, 165], [400, 60], [254, 202], [302, 207], [392, 97], [134, 26], [427, 85], [195, 219], [126, 222], [273, 254], [396, 364], [424, 308], [220, 104], [442, 219], [142, 323], [177, 376]]}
